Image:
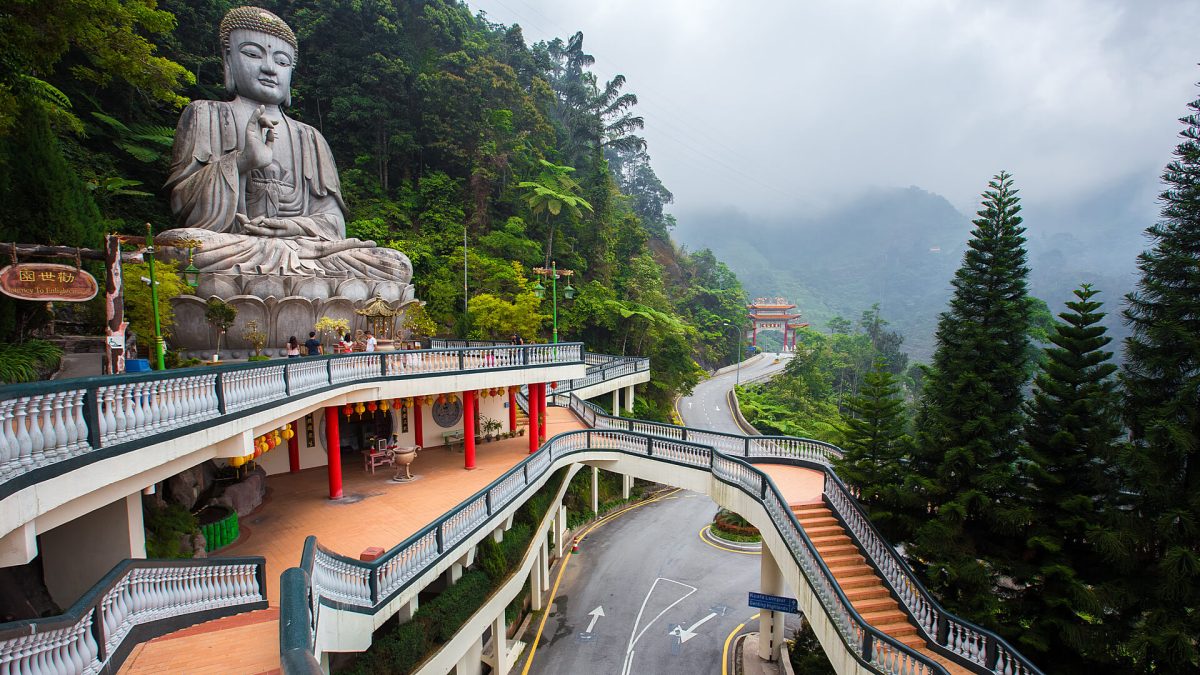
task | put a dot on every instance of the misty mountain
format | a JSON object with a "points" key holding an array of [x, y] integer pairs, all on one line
{"points": [[901, 247]]}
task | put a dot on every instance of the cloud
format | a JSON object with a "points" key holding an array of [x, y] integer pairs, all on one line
{"points": [[779, 104]]}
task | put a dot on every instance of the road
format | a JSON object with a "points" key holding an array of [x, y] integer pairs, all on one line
{"points": [[646, 594], [668, 598], [706, 407]]}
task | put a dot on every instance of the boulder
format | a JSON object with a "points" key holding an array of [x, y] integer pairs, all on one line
{"points": [[186, 487], [245, 495], [193, 545]]}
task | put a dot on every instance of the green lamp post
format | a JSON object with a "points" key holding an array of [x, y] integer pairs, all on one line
{"points": [[553, 273], [158, 339]]}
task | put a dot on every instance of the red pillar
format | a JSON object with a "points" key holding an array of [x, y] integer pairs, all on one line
{"points": [[512, 409], [542, 411], [418, 434], [294, 448], [333, 442], [533, 419], [469, 428], [754, 337]]}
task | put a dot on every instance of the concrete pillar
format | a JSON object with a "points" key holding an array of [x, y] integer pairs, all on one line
{"points": [[498, 535], [468, 398], [544, 563], [626, 485], [294, 448], [533, 419], [595, 490], [500, 642], [560, 531], [408, 609], [535, 585], [471, 662], [454, 573], [770, 624], [333, 445], [629, 398], [19, 546], [616, 406], [418, 432], [512, 408], [77, 554]]}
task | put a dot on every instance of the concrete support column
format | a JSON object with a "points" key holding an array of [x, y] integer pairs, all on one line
{"points": [[533, 419], [560, 531], [294, 448], [629, 398], [108, 535], [468, 398], [542, 410], [616, 406], [544, 563], [626, 485], [512, 408], [454, 573], [500, 641], [535, 586], [770, 624], [595, 490], [333, 445], [418, 432], [408, 610], [471, 663]]}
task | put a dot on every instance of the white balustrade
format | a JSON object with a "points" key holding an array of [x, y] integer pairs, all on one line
{"points": [[505, 489], [341, 580], [42, 429], [252, 387], [463, 521], [351, 368], [305, 375], [399, 567]]}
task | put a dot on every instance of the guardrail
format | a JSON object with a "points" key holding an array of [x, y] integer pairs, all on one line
{"points": [[604, 370], [136, 601], [49, 428]]}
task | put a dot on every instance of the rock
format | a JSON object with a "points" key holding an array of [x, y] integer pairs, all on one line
{"points": [[193, 545], [186, 487], [245, 495]]}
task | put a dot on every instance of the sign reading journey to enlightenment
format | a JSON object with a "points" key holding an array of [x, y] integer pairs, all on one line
{"points": [[46, 282]]}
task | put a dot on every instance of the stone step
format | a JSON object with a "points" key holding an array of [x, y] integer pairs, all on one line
{"points": [[859, 581], [828, 551], [842, 559], [898, 628], [823, 529], [818, 521], [885, 603], [831, 539], [864, 591], [950, 666]]}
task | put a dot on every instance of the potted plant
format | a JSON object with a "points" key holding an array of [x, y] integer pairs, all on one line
{"points": [[220, 315], [491, 427], [257, 340]]}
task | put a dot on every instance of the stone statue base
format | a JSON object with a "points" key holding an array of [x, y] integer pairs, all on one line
{"points": [[282, 306]]}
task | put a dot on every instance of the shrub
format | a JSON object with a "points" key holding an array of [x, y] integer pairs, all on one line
{"points": [[165, 525], [28, 361]]}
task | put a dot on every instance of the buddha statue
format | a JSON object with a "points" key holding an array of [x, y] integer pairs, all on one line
{"points": [[259, 191]]}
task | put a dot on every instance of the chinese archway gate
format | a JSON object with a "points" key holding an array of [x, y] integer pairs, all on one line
{"points": [[775, 314]]}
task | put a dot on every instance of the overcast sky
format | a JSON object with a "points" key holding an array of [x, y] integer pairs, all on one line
{"points": [[772, 104]]}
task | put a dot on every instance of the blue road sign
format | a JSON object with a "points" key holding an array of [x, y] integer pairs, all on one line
{"points": [[775, 603]]}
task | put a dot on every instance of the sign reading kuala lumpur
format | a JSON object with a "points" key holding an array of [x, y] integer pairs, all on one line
{"points": [[774, 603], [45, 282]]}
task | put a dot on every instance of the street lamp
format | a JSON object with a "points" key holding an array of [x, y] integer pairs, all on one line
{"points": [[540, 291], [158, 339], [737, 378]]}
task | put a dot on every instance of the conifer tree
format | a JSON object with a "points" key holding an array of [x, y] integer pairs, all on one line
{"points": [[876, 446], [1161, 378], [969, 421], [1071, 440]]}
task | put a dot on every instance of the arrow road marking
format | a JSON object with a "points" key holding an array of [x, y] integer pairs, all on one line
{"points": [[635, 636], [595, 614], [685, 634]]}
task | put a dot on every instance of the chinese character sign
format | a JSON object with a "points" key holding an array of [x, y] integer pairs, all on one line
{"points": [[44, 282]]}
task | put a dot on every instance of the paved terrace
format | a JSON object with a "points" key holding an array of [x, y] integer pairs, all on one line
{"points": [[374, 512]]}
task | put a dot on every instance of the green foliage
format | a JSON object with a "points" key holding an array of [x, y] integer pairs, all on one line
{"points": [[808, 657], [1161, 377], [139, 310], [165, 525], [970, 418], [28, 361], [494, 318]]}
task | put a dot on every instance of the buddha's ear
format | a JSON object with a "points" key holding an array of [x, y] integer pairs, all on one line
{"points": [[230, 82]]}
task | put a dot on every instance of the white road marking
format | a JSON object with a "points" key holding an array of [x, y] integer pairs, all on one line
{"points": [[635, 636], [685, 634], [595, 614]]}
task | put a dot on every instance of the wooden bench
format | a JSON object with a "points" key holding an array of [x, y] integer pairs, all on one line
{"points": [[452, 437]]}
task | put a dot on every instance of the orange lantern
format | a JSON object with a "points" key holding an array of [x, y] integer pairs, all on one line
{"points": [[372, 406], [385, 405], [398, 402], [428, 400], [483, 393], [454, 398], [288, 434], [360, 409], [235, 462], [441, 399]]}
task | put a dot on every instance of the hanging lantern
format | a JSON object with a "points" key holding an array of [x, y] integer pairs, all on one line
{"points": [[372, 406], [483, 393], [441, 399], [429, 400], [385, 405], [278, 438], [398, 402], [554, 385], [454, 398], [235, 462], [288, 434], [360, 409], [347, 410]]}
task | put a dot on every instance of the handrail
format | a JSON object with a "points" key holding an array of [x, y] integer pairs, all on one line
{"points": [[956, 636], [49, 428], [340, 582], [604, 371], [136, 601]]}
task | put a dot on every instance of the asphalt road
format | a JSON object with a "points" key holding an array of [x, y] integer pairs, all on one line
{"points": [[706, 407], [669, 599]]}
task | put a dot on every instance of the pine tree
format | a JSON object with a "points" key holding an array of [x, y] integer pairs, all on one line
{"points": [[969, 420], [1162, 409], [876, 446], [1071, 440]]}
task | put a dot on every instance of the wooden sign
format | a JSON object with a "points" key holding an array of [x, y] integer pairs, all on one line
{"points": [[45, 282]]}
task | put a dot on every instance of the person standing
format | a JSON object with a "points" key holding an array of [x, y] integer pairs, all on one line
{"points": [[370, 346], [312, 345], [293, 348]]}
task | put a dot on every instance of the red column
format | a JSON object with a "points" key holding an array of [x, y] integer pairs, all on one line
{"points": [[469, 429], [294, 448], [533, 419], [333, 442], [542, 411], [754, 337], [512, 409], [418, 434]]}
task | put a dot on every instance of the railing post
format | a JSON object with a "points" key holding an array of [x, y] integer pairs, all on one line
{"points": [[589, 438], [868, 645], [441, 544], [461, 360], [650, 446], [746, 442], [98, 629], [91, 416], [382, 366], [525, 355], [287, 381], [685, 433], [487, 502], [220, 385], [373, 585]]}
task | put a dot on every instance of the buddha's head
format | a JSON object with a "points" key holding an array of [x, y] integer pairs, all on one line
{"points": [[259, 52]]}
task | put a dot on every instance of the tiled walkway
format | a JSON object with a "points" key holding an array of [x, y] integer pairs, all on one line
{"points": [[374, 512]]}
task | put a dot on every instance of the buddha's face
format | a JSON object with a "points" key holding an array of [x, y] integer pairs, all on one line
{"points": [[259, 66]]}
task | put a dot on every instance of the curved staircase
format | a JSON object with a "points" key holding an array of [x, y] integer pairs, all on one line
{"points": [[861, 583]]}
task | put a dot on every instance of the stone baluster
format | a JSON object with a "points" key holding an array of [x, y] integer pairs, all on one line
{"points": [[10, 451], [24, 439]]}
